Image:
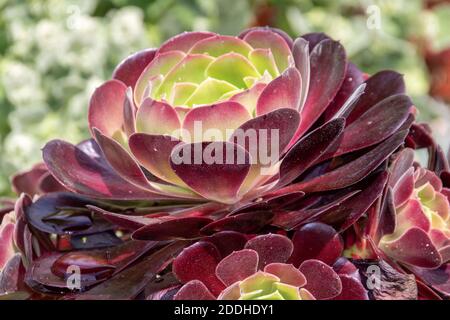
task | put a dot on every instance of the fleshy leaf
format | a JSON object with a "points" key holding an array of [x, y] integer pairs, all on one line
{"points": [[245, 222], [321, 280], [214, 122], [287, 273], [106, 107], [233, 68], [328, 67], [237, 266], [264, 38], [219, 45], [199, 262], [171, 229], [129, 70], [184, 41], [316, 241], [161, 65], [283, 92], [271, 248], [88, 173], [158, 118], [194, 290], [211, 176], [153, 152]]}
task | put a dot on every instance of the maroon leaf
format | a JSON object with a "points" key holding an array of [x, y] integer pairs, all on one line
{"points": [[227, 241], [64, 213], [271, 248], [353, 79], [28, 181], [194, 290], [88, 173], [352, 289], [172, 228], [248, 222], [350, 210], [438, 279], [212, 176], [129, 70], [375, 125], [282, 92], [316, 241], [199, 262], [321, 280], [120, 160], [328, 68], [237, 266], [309, 149], [130, 282], [379, 86], [351, 172]]}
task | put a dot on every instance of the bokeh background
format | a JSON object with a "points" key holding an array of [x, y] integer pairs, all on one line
{"points": [[53, 53]]}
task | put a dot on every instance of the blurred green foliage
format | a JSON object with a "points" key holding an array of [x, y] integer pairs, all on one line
{"points": [[55, 52]]}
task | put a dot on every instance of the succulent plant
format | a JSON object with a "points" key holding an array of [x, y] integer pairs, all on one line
{"points": [[299, 161], [421, 233]]}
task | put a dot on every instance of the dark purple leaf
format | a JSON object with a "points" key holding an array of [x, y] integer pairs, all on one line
{"points": [[316, 241]]}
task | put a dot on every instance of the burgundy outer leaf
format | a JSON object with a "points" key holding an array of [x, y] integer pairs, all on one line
{"points": [[379, 86], [21, 205], [172, 228], [127, 222], [129, 113], [375, 125], [387, 219], [307, 150], [237, 266], [88, 173], [199, 262], [40, 278], [284, 120], [101, 262], [248, 222], [129, 70], [121, 161], [106, 107], [349, 211], [353, 79], [351, 172], [271, 248], [321, 280], [49, 214], [215, 181], [316, 241], [130, 282], [291, 219], [227, 241], [47, 183], [403, 160], [352, 289], [328, 68], [194, 290], [314, 38], [12, 275], [438, 279], [27, 181]]}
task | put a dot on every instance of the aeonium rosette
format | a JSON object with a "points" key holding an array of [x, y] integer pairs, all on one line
{"points": [[266, 267], [224, 119], [420, 233]]}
